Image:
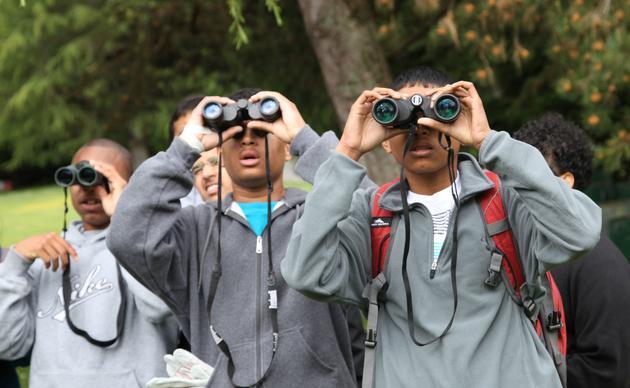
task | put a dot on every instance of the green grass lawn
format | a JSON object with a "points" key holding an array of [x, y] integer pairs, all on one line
{"points": [[28, 212]]}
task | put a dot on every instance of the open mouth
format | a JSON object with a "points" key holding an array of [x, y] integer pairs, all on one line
{"points": [[91, 204], [422, 149], [212, 189], [249, 158]]}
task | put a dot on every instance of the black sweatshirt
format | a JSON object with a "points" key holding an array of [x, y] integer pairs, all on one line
{"points": [[596, 294]]}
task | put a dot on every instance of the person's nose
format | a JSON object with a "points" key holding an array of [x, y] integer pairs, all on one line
{"points": [[87, 190], [249, 137], [208, 171], [423, 130]]}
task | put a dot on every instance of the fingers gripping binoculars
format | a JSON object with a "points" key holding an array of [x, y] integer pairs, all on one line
{"points": [[398, 113], [81, 173], [221, 117]]}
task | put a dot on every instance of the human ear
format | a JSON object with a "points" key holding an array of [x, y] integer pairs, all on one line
{"points": [[387, 147], [568, 178]]}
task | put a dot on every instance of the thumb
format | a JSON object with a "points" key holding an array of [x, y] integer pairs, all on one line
{"points": [[434, 124], [231, 132], [394, 132]]}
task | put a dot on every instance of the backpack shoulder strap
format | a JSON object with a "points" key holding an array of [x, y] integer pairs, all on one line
{"points": [[495, 218], [550, 323], [380, 233], [380, 230]]}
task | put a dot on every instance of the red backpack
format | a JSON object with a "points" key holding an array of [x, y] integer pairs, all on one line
{"points": [[548, 316]]}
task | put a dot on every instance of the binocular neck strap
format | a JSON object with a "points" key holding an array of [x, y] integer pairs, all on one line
{"points": [[65, 211], [269, 191], [448, 140], [404, 189], [67, 291], [122, 309], [216, 270], [271, 278], [452, 167]]}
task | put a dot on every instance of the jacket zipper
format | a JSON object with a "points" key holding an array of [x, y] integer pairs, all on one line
{"points": [[433, 267], [259, 245]]}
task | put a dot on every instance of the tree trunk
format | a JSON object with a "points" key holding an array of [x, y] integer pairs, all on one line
{"points": [[343, 37], [138, 148]]}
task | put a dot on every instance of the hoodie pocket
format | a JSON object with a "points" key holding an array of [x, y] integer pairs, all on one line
{"points": [[93, 378], [295, 365]]}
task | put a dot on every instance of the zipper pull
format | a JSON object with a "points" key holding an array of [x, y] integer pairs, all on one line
{"points": [[258, 244], [433, 268]]}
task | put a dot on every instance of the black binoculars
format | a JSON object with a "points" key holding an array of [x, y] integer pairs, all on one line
{"points": [[399, 113], [81, 173], [221, 117]]}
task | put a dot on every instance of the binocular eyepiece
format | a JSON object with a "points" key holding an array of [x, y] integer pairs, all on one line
{"points": [[81, 173], [397, 113], [221, 117]]}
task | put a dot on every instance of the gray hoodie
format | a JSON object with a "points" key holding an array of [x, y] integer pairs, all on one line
{"points": [[491, 342], [32, 316], [161, 244]]}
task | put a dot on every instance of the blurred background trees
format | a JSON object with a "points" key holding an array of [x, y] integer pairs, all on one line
{"points": [[70, 70], [527, 57]]}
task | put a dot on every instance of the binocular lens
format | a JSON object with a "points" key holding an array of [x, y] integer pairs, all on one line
{"points": [[447, 107], [212, 111], [385, 111], [64, 176], [87, 176], [269, 107]]}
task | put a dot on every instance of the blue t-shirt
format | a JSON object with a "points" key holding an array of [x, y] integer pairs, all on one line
{"points": [[256, 214]]}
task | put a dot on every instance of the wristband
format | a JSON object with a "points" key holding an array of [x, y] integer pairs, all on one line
{"points": [[189, 136]]}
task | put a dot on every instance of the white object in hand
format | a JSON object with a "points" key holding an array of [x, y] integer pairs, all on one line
{"points": [[189, 136], [184, 371]]}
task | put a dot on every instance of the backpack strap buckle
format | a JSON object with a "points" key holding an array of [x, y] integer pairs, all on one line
{"points": [[374, 292], [554, 321], [530, 307], [494, 270], [370, 338]]}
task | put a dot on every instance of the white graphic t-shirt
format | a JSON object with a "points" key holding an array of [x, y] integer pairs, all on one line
{"points": [[441, 206]]}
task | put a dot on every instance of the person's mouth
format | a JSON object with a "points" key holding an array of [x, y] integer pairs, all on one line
{"points": [[422, 149], [91, 205], [212, 189], [249, 158]]}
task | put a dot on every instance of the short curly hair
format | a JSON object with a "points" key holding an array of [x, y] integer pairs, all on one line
{"points": [[564, 145], [420, 76]]}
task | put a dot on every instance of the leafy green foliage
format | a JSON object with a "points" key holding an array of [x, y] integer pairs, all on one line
{"points": [[526, 57], [71, 71]]}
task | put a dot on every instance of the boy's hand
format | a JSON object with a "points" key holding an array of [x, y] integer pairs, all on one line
{"points": [[116, 186], [471, 127], [362, 133], [201, 138], [51, 248], [286, 127]]}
